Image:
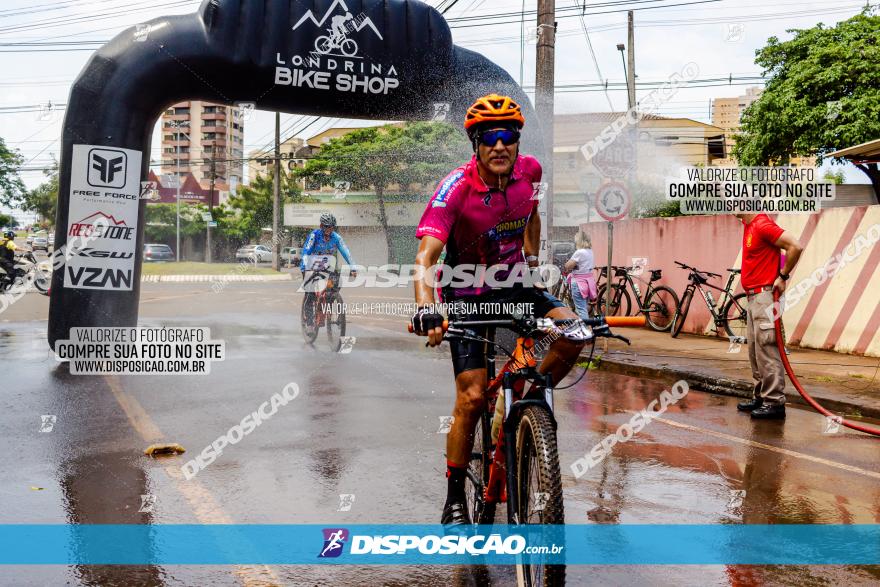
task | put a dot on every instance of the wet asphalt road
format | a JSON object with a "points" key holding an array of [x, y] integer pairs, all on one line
{"points": [[366, 423]]}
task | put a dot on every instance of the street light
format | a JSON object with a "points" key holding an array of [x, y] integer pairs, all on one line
{"points": [[621, 47], [178, 125]]}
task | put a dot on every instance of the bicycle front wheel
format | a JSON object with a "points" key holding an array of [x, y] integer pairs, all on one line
{"points": [[308, 317], [734, 316], [620, 302], [681, 315], [660, 309], [335, 321], [539, 488]]}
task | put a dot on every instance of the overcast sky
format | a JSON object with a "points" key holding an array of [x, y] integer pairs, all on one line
{"points": [[719, 36]]}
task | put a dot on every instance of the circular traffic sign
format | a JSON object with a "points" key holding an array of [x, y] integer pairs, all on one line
{"points": [[612, 201]]}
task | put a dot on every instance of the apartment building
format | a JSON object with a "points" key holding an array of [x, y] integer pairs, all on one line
{"points": [[204, 139]]}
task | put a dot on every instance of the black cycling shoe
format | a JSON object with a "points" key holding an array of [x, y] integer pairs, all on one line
{"points": [[455, 513], [750, 405], [769, 412]]}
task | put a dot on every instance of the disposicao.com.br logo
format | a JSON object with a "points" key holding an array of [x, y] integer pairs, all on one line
{"points": [[429, 544]]}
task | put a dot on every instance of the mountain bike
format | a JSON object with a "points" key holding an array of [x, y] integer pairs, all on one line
{"points": [[323, 308], [326, 43], [732, 316], [659, 304], [522, 467]]}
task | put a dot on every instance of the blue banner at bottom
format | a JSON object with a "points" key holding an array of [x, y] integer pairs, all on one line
{"points": [[433, 544]]}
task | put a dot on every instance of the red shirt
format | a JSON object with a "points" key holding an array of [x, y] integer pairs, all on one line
{"points": [[761, 256], [481, 226]]}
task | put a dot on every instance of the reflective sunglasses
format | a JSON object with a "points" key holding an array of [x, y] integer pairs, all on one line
{"points": [[490, 137]]}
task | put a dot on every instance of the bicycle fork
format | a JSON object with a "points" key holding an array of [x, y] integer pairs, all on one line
{"points": [[512, 409]]}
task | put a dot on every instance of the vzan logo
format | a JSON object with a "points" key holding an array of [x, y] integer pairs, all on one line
{"points": [[107, 168], [334, 63]]}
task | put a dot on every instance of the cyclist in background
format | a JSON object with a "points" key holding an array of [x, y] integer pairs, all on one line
{"points": [[484, 214], [324, 241]]}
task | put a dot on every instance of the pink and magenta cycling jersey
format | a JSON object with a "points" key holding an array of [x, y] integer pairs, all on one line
{"points": [[479, 225]]}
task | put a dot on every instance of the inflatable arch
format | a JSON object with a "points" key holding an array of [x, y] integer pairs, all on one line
{"points": [[371, 59]]}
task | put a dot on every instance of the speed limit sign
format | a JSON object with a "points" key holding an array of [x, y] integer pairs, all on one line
{"points": [[612, 201]]}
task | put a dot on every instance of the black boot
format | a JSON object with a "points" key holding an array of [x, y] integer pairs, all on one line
{"points": [[752, 404], [770, 412]]}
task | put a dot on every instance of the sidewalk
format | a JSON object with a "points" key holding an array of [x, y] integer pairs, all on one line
{"points": [[845, 384]]}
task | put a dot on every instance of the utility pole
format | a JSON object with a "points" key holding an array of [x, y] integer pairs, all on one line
{"points": [[544, 87], [276, 201], [631, 60], [211, 201]]}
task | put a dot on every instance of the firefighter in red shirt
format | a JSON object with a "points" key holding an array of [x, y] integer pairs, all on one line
{"points": [[763, 241]]}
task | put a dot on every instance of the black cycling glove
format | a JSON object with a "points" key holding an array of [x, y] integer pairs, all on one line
{"points": [[426, 319]]}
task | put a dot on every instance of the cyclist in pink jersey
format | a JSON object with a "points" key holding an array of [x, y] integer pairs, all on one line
{"points": [[484, 214]]}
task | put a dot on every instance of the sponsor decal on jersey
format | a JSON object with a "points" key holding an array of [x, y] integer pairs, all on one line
{"points": [[446, 188], [508, 229]]}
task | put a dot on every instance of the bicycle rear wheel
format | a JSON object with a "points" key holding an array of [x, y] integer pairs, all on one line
{"points": [[477, 476], [539, 488], [734, 316], [660, 308], [681, 315]]}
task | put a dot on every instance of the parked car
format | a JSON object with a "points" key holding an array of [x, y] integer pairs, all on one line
{"points": [[560, 252], [254, 254], [154, 252], [40, 243], [292, 255]]}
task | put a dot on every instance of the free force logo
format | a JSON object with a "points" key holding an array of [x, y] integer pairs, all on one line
{"points": [[107, 168], [334, 540]]}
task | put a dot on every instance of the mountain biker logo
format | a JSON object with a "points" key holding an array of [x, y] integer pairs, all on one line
{"points": [[342, 24], [334, 541]]}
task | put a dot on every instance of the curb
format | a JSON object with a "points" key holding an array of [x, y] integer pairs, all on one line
{"points": [[213, 278], [727, 386]]}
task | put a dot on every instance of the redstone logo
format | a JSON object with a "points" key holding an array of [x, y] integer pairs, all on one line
{"points": [[101, 225]]}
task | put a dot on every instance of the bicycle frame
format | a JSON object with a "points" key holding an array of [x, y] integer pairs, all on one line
{"points": [[522, 367], [626, 279], [720, 302], [321, 296]]}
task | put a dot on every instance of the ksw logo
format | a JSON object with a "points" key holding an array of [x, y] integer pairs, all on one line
{"points": [[98, 254], [98, 277], [334, 540], [107, 168], [341, 25]]}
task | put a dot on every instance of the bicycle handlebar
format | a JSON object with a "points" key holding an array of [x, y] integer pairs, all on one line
{"points": [[598, 322], [695, 270]]}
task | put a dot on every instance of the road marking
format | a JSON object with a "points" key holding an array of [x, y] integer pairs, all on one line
{"points": [[203, 503], [161, 299], [784, 451]]}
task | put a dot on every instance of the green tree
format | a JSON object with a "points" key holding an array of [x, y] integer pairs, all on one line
{"points": [[43, 199], [823, 94], [378, 157], [245, 214], [7, 221], [836, 177], [11, 186]]}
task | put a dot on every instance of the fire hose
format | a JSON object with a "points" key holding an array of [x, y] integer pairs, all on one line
{"points": [[780, 344]]}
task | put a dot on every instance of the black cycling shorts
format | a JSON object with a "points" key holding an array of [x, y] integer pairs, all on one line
{"points": [[468, 354]]}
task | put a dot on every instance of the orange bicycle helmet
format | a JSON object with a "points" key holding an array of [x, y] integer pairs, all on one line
{"points": [[491, 109]]}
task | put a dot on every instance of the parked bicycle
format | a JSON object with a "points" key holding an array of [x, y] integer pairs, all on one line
{"points": [[525, 458], [323, 308], [659, 303], [732, 316]]}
